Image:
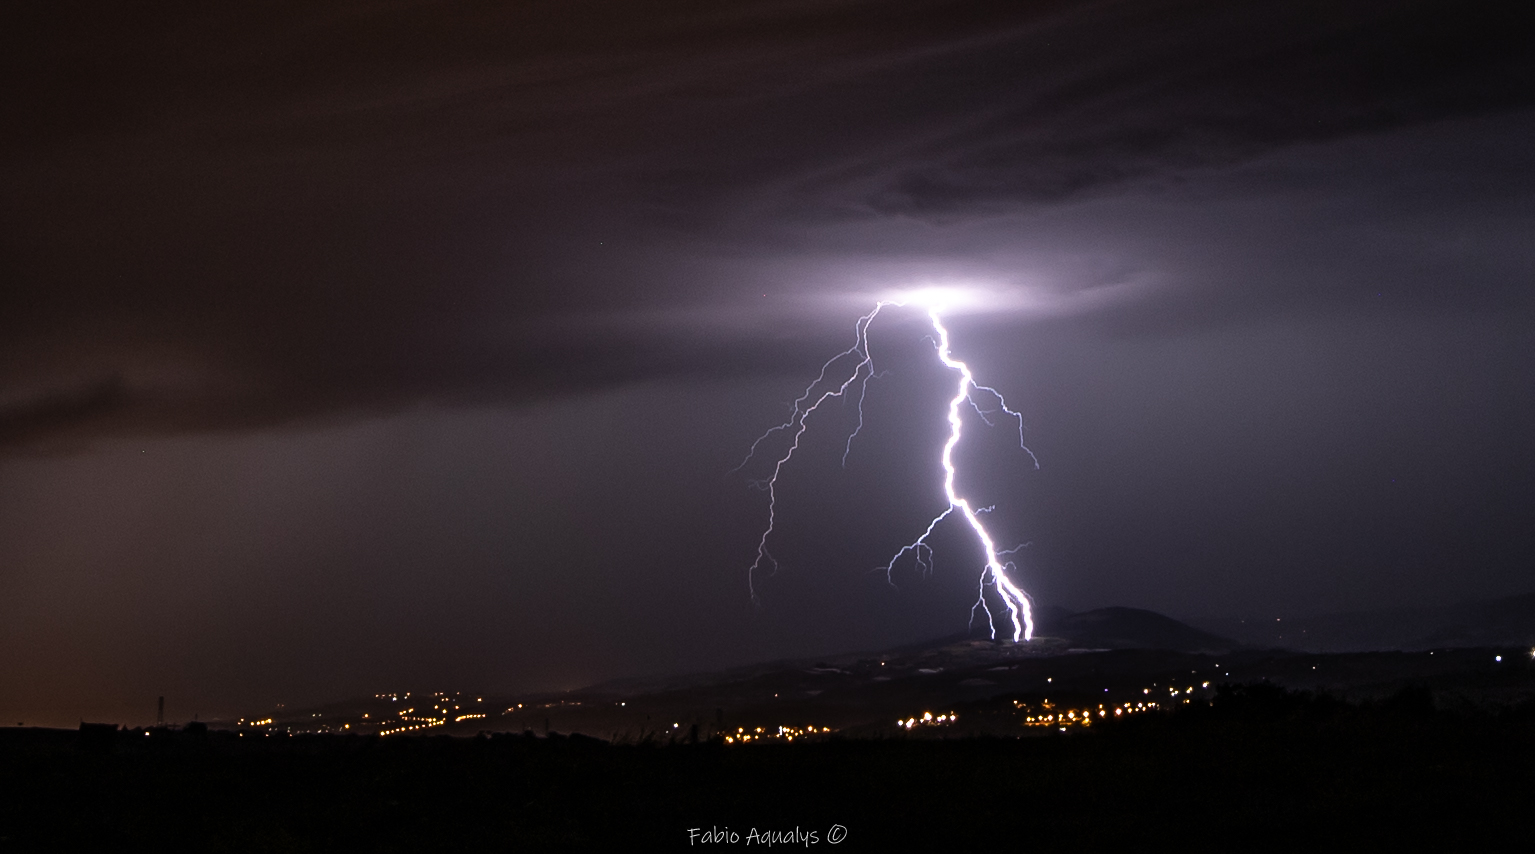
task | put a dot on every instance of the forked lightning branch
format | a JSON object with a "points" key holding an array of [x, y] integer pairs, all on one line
{"points": [[851, 386]]}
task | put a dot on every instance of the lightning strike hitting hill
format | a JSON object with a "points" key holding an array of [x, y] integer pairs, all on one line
{"points": [[994, 575]]}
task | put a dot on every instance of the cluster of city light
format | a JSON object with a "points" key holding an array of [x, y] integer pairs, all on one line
{"points": [[444, 710], [420, 722], [927, 719], [1049, 716], [784, 733], [1172, 690], [994, 575], [1189, 691], [426, 722]]}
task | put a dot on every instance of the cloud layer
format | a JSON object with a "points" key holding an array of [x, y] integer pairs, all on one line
{"points": [[267, 212]]}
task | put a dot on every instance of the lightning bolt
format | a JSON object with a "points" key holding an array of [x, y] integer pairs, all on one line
{"points": [[797, 423], [822, 389]]}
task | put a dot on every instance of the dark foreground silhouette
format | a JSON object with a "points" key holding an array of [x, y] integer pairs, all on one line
{"points": [[1256, 768]]}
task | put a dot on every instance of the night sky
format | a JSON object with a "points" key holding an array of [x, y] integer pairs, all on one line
{"points": [[348, 347]]}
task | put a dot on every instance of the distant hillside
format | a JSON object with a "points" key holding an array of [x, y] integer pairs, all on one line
{"points": [[1090, 664], [1127, 628], [1507, 621]]}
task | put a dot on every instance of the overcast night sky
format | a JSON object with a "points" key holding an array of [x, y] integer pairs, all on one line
{"points": [[361, 346]]}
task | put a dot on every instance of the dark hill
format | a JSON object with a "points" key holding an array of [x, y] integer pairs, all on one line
{"points": [[1128, 628]]}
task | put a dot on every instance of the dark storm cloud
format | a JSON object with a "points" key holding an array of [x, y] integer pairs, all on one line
{"points": [[48, 412], [1116, 91], [254, 213]]}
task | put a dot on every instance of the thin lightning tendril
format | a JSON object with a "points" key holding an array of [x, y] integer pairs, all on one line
{"points": [[798, 422], [995, 575]]}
